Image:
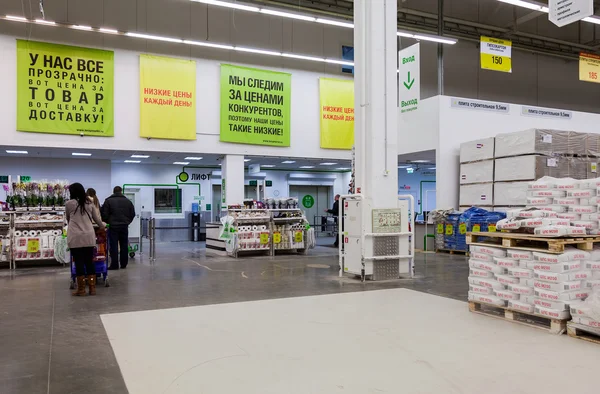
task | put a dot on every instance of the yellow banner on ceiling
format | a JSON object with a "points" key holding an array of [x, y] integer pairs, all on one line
{"points": [[337, 113], [589, 67], [167, 98], [496, 54]]}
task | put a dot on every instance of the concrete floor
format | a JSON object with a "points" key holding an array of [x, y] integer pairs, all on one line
{"points": [[51, 342]]}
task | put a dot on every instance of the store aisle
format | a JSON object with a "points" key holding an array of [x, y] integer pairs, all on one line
{"points": [[54, 343], [387, 341]]}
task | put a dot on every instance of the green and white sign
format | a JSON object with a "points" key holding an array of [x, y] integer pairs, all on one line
{"points": [[409, 79], [255, 106], [308, 201]]}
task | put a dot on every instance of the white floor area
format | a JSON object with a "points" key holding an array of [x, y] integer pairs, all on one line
{"points": [[390, 341]]}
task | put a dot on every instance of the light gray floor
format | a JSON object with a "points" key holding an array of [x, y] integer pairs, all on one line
{"points": [[51, 342], [388, 341]]}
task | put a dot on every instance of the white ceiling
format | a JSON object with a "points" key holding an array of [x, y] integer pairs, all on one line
{"points": [[166, 158]]}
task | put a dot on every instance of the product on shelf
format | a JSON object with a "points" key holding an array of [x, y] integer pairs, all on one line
{"points": [[37, 194], [289, 236]]}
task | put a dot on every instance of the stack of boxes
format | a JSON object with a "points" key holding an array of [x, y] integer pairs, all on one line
{"points": [[515, 159], [477, 173]]}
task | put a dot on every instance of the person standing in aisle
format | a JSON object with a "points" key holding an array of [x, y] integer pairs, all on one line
{"points": [[118, 212], [81, 237], [334, 211], [91, 193]]}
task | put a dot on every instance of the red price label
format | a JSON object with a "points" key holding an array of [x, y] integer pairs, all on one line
{"points": [[593, 75]]}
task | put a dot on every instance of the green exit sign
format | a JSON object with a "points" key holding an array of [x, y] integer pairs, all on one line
{"points": [[253, 183], [3, 178], [268, 183], [25, 178]]}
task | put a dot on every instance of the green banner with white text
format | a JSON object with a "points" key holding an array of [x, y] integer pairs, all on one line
{"points": [[255, 106], [64, 89]]}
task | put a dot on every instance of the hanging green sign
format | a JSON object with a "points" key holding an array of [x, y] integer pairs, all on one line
{"points": [[184, 176], [255, 106]]}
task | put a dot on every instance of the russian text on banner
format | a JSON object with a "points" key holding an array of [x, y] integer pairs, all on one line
{"points": [[255, 106], [64, 89], [167, 98], [337, 113]]}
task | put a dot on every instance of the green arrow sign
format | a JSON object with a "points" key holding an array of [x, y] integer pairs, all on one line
{"points": [[409, 83]]}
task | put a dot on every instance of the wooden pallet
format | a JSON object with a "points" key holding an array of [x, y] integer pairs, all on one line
{"points": [[582, 332], [553, 326], [531, 242], [462, 252]]}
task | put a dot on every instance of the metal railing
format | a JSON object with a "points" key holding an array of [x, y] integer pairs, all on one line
{"points": [[150, 235], [325, 225]]}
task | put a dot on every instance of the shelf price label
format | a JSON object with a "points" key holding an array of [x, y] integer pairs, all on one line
{"points": [[440, 228], [492, 228], [496, 54], [277, 238], [589, 67], [298, 236], [33, 245], [462, 228], [264, 238], [476, 228], [449, 229]]}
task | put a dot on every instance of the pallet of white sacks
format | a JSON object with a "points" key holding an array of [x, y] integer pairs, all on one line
{"points": [[533, 243], [553, 326], [582, 332]]}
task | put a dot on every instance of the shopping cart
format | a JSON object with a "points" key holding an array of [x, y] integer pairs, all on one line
{"points": [[100, 259]]}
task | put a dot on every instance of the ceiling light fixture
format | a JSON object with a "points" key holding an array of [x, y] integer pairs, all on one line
{"points": [[182, 163], [527, 4], [335, 23], [17, 18], [247, 160], [132, 161], [592, 19], [343, 168], [307, 166], [151, 37], [302, 57], [424, 37], [236, 6], [288, 15], [420, 161], [328, 164], [109, 31], [193, 158], [267, 166], [207, 44], [342, 62], [81, 27], [17, 152], [140, 156], [259, 51], [81, 154], [45, 22], [288, 162]]}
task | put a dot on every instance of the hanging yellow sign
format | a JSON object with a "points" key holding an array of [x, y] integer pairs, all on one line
{"points": [[337, 113], [167, 98], [496, 54], [589, 67]]}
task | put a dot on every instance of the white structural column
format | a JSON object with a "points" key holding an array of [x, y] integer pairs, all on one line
{"points": [[232, 180], [376, 102]]}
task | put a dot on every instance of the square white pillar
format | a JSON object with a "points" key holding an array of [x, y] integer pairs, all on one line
{"points": [[232, 180]]}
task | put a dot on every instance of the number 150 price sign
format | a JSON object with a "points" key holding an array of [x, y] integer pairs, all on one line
{"points": [[496, 54]]}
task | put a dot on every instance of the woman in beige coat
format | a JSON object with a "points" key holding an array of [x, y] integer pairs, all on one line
{"points": [[81, 237]]}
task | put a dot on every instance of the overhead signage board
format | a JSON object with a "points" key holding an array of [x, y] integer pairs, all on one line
{"points": [[589, 67], [336, 99], [64, 89], [409, 80], [167, 98], [546, 113], [255, 106], [564, 12], [496, 54], [479, 105]]}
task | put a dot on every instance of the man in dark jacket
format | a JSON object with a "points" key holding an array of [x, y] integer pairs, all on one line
{"points": [[335, 212], [118, 212]]}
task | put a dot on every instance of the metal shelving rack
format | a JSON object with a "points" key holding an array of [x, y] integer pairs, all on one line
{"points": [[298, 220], [28, 225]]}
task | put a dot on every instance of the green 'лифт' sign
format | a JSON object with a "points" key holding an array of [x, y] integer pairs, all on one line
{"points": [[255, 106]]}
